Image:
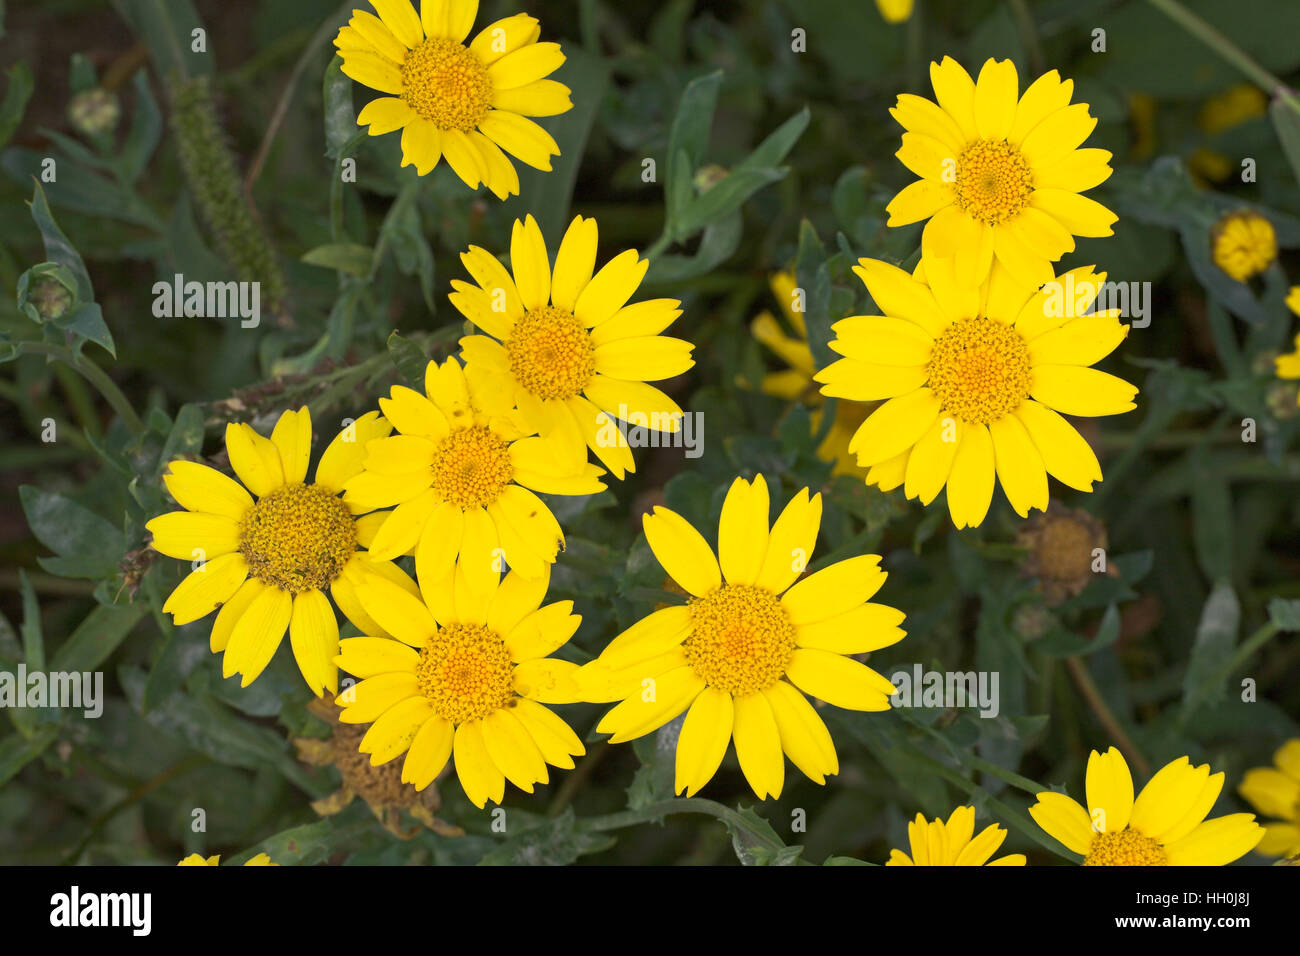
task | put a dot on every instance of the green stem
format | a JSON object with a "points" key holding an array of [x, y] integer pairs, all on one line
{"points": [[658, 247], [1248, 649], [1213, 38], [1029, 34], [96, 376]]}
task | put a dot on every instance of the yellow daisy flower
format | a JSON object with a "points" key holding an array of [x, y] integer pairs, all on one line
{"points": [[1288, 366], [796, 382], [974, 379], [1164, 826], [1243, 244], [565, 344], [267, 565], [195, 859], [466, 103], [460, 470], [1000, 176], [1275, 792], [895, 11], [936, 843], [466, 679], [738, 654]]}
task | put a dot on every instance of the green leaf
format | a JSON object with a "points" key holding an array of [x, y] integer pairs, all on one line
{"points": [[33, 636], [1216, 638], [17, 751], [87, 545], [313, 843], [185, 437], [409, 358], [341, 130], [146, 130], [349, 257], [547, 195], [57, 247], [1284, 111], [1212, 518], [717, 244], [813, 276], [654, 779], [756, 843], [17, 93], [555, 842], [693, 121], [210, 727], [97, 637], [1284, 614]]}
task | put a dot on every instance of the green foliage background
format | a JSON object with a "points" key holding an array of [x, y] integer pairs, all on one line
{"points": [[1202, 526]]}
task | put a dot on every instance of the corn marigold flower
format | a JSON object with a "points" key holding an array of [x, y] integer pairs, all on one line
{"points": [[796, 382], [975, 381], [461, 471], [467, 679], [895, 11], [1288, 366], [1061, 543], [194, 859], [1243, 244], [1001, 175], [462, 102], [1164, 826], [265, 566], [953, 843], [739, 656], [382, 787], [566, 346], [1275, 792]]}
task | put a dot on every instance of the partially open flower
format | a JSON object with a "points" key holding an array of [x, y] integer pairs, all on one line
{"points": [[1243, 244], [380, 787], [1063, 545]]}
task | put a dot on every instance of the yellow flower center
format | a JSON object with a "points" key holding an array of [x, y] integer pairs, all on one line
{"points": [[741, 638], [446, 84], [1245, 244], [1125, 848], [297, 538], [979, 370], [993, 181], [465, 673], [551, 354], [472, 466]]}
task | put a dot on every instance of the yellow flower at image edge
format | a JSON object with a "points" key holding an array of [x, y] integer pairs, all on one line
{"points": [[1275, 792], [1000, 173], [566, 345], [194, 859], [975, 379], [1244, 244], [895, 11], [266, 565], [465, 103], [1288, 366], [739, 656], [1164, 826], [466, 679], [460, 470], [936, 843]]}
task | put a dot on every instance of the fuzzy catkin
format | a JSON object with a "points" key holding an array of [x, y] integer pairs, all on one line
{"points": [[212, 174]]}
